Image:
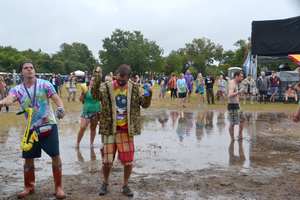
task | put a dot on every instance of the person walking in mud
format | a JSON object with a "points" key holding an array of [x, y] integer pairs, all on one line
{"points": [[72, 87], [234, 112], [189, 79], [182, 89], [120, 121], [89, 115], [3, 92], [296, 115], [35, 94]]}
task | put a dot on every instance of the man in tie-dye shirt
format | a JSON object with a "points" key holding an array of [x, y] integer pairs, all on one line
{"points": [[35, 93]]}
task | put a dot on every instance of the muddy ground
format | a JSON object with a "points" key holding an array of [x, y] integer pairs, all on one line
{"points": [[180, 155]]}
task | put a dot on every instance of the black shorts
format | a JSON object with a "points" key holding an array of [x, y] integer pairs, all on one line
{"points": [[49, 143], [182, 95]]}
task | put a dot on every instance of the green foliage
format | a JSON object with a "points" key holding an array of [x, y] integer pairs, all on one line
{"points": [[72, 57], [174, 62], [133, 49], [203, 53]]}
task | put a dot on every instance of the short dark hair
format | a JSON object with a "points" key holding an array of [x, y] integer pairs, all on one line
{"points": [[124, 70], [237, 73], [25, 62]]}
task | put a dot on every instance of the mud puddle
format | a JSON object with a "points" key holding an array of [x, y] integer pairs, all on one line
{"points": [[173, 147]]}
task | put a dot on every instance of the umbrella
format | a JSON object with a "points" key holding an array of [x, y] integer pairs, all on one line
{"points": [[295, 58]]}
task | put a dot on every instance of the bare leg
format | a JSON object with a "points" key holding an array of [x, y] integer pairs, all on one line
{"points": [[127, 173], [57, 175], [29, 178], [231, 131], [93, 126], [106, 168], [74, 95], [69, 96], [241, 127], [83, 125]]}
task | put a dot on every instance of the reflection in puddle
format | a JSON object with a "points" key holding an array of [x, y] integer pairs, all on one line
{"points": [[189, 141], [170, 140]]}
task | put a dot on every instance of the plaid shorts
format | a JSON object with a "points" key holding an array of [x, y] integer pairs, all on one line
{"points": [[122, 142], [235, 116]]}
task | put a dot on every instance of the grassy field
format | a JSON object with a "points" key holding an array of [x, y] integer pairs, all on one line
{"points": [[7, 119]]}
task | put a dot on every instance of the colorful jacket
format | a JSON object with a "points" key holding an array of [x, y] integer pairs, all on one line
{"points": [[135, 100]]}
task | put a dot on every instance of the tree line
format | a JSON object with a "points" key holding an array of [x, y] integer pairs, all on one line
{"points": [[130, 47]]}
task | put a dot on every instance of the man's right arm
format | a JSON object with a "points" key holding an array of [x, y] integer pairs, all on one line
{"points": [[10, 99]]}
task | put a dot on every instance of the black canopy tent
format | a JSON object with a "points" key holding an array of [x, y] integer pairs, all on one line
{"points": [[276, 37]]}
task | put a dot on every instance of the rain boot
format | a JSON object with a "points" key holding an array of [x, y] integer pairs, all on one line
{"points": [[29, 180], [59, 193]]}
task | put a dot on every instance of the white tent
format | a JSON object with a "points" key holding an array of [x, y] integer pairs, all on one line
{"points": [[79, 73]]}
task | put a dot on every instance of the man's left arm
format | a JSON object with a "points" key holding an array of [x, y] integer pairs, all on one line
{"points": [[60, 111], [51, 93], [57, 100]]}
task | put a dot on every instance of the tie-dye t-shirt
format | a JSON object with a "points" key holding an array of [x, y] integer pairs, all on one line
{"points": [[43, 113], [121, 103]]}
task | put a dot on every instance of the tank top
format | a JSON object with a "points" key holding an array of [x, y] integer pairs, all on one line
{"points": [[90, 104]]}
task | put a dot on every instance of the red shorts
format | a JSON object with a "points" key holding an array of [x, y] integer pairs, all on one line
{"points": [[122, 142]]}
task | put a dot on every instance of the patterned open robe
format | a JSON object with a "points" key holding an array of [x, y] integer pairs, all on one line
{"points": [[135, 100]]}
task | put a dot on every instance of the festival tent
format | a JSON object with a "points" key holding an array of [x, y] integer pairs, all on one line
{"points": [[273, 38], [276, 37]]}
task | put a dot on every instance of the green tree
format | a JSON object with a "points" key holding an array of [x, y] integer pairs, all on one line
{"points": [[202, 53], [71, 57], [130, 48], [174, 62]]}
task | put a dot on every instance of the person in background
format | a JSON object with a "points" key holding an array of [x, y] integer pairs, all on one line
{"points": [[252, 89], [59, 83], [35, 93], [163, 88], [274, 85], [3, 92], [296, 115], [234, 113], [189, 79], [244, 90], [72, 87], [221, 89], [182, 89], [200, 84], [172, 86], [53, 81], [209, 83], [262, 86], [290, 95], [89, 114]]}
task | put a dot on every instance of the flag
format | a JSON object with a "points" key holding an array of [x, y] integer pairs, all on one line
{"points": [[295, 58]]}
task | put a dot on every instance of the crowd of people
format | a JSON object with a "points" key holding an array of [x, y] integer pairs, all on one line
{"points": [[263, 90], [114, 104]]}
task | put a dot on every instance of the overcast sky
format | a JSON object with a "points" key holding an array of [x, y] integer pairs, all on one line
{"points": [[46, 24]]}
